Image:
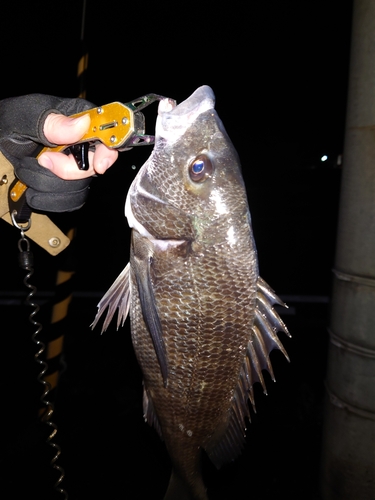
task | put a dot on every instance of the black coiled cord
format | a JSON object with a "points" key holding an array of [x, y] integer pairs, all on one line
{"points": [[26, 262]]}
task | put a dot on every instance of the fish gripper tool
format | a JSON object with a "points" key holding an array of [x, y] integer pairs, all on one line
{"points": [[117, 125]]}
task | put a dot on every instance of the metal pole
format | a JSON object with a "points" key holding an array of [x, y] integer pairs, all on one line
{"points": [[348, 452]]}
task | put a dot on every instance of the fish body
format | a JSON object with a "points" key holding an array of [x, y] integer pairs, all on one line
{"points": [[202, 319]]}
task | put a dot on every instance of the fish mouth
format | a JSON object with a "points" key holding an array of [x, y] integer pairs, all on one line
{"points": [[173, 120]]}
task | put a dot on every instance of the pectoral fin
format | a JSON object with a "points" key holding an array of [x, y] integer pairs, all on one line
{"points": [[142, 271], [117, 297]]}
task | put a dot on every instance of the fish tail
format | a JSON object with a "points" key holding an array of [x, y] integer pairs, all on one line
{"points": [[178, 489]]}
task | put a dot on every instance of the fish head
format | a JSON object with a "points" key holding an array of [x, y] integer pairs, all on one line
{"points": [[192, 181]]}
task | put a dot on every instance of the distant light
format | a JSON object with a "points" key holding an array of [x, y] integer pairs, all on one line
{"points": [[324, 158]]}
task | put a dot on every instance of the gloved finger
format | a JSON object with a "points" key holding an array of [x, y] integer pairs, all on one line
{"points": [[24, 117], [46, 191], [65, 166], [103, 158], [42, 179], [57, 202], [61, 129]]}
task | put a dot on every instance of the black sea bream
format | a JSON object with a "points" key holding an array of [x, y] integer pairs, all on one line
{"points": [[202, 320]]}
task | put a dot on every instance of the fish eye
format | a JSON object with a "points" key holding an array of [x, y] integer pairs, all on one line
{"points": [[200, 168]]}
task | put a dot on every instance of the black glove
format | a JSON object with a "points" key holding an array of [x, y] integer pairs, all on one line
{"points": [[21, 138]]}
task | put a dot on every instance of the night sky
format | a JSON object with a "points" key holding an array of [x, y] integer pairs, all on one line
{"points": [[279, 69]]}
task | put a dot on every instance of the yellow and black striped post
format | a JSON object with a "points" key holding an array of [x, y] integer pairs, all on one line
{"points": [[84, 60], [55, 332], [65, 273], [82, 71]]}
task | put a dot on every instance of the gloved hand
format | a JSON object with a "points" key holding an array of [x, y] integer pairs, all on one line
{"points": [[23, 133]]}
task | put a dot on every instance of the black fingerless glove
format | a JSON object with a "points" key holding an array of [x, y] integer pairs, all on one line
{"points": [[21, 138]]}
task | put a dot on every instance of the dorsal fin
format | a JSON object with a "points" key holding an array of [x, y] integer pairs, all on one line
{"points": [[262, 341]]}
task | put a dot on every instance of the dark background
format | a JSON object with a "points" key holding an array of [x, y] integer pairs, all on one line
{"points": [[279, 71]]}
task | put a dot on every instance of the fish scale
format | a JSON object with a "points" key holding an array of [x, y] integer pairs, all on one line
{"points": [[202, 319]]}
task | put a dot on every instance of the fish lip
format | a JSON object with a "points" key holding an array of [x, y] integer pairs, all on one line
{"points": [[173, 121], [202, 97]]}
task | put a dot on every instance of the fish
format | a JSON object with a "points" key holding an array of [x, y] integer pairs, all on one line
{"points": [[203, 321]]}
